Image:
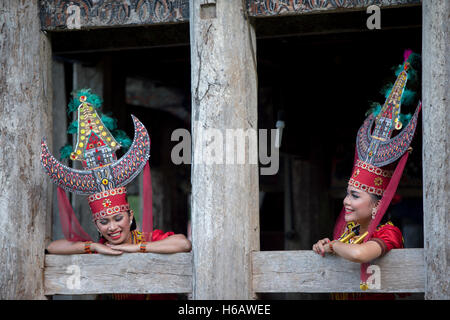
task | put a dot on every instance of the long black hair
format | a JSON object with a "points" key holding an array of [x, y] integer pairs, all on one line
{"points": [[376, 200]]}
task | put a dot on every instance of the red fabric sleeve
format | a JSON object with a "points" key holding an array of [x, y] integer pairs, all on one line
{"points": [[159, 234], [390, 236]]}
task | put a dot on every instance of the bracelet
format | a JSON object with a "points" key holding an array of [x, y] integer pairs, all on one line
{"points": [[87, 247], [142, 247], [331, 246]]}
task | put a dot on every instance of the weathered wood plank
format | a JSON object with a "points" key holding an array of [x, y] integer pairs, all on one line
{"points": [[25, 118], [436, 146], [267, 8], [129, 273], [401, 270], [84, 14]]}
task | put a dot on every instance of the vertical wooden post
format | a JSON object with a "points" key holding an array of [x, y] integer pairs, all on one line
{"points": [[25, 117], [436, 146], [59, 118], [225, 214]]}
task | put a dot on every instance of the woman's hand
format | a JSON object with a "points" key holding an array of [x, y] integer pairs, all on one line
{"points": [[125, 247], [105, 249], [322, 246], [360, 253]]}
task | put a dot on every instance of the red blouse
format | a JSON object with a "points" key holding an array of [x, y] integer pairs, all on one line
{"points": [[388, 237], [159, 235]]}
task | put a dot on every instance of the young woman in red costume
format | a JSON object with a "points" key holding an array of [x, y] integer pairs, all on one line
{"points": [[103, 181], [359, 235]]}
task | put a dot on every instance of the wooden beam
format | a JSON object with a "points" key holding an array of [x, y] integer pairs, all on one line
{"points": [[436, 147], [273, 271], [269, 8], [133, 273], [57, 15], [25, 118], [225, 215], [401, 270], [63, 15]]}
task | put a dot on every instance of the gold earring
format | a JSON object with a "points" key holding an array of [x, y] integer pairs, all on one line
{"points": [[131, 214]]}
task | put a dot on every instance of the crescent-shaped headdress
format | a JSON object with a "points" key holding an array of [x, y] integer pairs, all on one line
{"points": [[104, 177], [104, 173]]}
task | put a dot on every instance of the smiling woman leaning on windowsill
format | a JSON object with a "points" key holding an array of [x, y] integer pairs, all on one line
{"points": [[380, 158]]}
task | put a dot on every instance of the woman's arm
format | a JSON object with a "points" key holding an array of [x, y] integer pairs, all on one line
{"points": [[64, 246], [172, 244], [359, 253]]}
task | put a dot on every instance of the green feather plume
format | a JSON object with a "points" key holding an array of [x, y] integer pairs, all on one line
{"points": [[73, 127], [409, 95], [404, 118], [375, 109], [65, 151], [91, 98], [109, 122], [122, 138]]}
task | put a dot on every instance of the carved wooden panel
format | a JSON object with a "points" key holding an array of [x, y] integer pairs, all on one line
{"points": [[85, 14], [261, 8]]}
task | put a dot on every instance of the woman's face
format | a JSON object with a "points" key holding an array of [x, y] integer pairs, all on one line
{"points": [[358, 206], [115, 228]]}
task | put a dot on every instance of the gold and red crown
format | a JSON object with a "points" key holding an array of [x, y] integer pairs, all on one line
{"points": [[370, 178], [108, 202]]}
